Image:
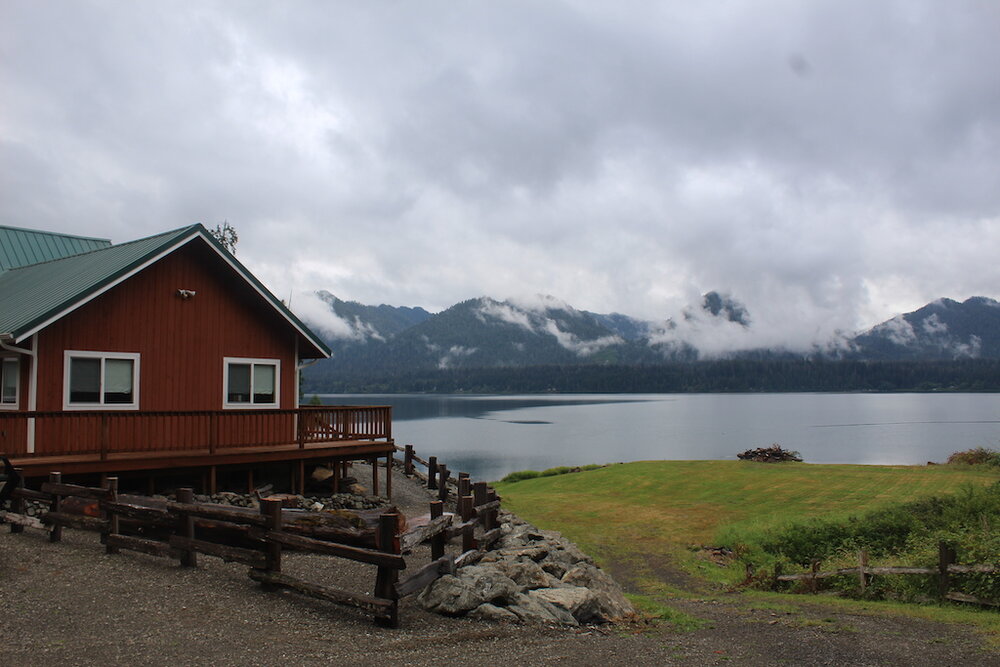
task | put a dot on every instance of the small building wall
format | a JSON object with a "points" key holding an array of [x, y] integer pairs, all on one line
{"points": [[182, 342]]}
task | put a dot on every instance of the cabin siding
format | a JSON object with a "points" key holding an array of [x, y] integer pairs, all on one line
{"points": [[182, 342]]}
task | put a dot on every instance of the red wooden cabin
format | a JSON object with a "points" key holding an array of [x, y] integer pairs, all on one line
{"points": [[163, 353]]}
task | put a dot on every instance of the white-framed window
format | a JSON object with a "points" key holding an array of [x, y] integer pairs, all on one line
{"points": [[251, 383], [9, 375], [101, 380]]}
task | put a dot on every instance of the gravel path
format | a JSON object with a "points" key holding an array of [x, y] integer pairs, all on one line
{"points": [[70, 604]]}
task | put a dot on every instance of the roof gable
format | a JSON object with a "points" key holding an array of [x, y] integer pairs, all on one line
{"points": [[22, 247], [34, 296]]}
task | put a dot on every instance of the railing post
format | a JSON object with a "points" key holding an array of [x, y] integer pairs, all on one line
{"points": [[374, 462], [55, 533], [437, 541], [443, 482], [464, 484], [408, 460], [111, 516], [432, 466], [300, 428], [385, 580], [185, 527], [946, 557]]}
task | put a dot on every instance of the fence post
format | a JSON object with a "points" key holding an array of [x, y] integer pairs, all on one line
{"points": [[111, 516], [813, 587], [464, 484], [494, 513], [55, 533], [862, 567], [437, 541], [946, 556], [385, 580], [468, 533], [408, 460], [185, 527], [432, 467], [481, 497], [17, 504], [443, 482], [272, 551]]}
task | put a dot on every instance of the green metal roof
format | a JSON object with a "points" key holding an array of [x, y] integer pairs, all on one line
{"points": [[34, 296], [21, 247]]}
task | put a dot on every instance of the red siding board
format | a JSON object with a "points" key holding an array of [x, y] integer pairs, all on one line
{"points": [[182, 342]]}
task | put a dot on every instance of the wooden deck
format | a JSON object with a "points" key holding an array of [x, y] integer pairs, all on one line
{"points": [[108, 443]]}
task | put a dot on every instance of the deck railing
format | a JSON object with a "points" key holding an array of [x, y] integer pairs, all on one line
{"points": [[113, 432]]}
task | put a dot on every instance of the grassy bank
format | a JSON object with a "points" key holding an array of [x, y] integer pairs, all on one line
{"points": [[651, 517]]}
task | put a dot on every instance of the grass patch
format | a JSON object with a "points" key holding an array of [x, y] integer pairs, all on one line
{"points": [[655, 511], [660, 613]]}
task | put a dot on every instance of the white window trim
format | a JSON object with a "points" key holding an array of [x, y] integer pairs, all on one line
{"points": [[133, 356], [17, 383], [226, 405]]}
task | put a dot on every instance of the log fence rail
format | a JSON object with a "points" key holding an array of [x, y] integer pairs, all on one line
{"points": [[945, 568], [183, 528]]}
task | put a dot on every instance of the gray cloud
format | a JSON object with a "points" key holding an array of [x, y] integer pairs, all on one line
{"points": [[828, 163]]}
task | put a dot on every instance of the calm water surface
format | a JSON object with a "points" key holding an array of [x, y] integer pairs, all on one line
{"points": [[489, 436]]}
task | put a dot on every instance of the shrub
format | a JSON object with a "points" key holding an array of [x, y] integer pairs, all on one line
{"points": [[772, 454], [977, 456], [521, 475]]}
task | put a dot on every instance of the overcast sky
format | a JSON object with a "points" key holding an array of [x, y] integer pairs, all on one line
{"points": [[829, 164]]}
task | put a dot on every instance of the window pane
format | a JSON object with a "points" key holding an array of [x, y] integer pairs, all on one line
{"points": [[8, 382], [263, 383], [118, 380], [238, 383], [84, 380]]}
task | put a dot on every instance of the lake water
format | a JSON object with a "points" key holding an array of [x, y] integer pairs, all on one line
{"points": [[490, 436]]}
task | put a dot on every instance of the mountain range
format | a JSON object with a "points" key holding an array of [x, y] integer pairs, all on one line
{"points": [[488, 333]]}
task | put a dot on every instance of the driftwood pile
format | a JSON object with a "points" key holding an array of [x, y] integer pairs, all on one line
{"points": [[772, 454]]}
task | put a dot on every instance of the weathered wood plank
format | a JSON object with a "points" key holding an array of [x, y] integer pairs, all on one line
{"points": [[220, 512], [433, 527], [147, 515], [226, 553], [487, 507], [377, 605], [31, 494], [966, 569], [489, 538], [16, 519], [75, 521], [963, 597], [62, 489], [425, 576], [342, 550], [151, 547], [468, 558]]}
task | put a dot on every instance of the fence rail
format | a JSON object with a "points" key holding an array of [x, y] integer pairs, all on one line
{"points": [[945, 568], [121, 431], [183, 528]]}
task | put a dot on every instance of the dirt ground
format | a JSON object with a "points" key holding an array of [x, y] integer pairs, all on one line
{"points": [[69, 603]]}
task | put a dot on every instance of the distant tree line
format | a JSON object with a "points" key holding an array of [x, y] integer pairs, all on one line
{"points": [[737, 375]]}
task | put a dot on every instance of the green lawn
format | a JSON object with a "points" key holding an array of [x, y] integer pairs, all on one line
{"points": [[656, 509], [642, 518]]}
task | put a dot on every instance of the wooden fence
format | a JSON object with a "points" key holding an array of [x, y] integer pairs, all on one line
{"points": [[945, 568], [183, 528]]}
